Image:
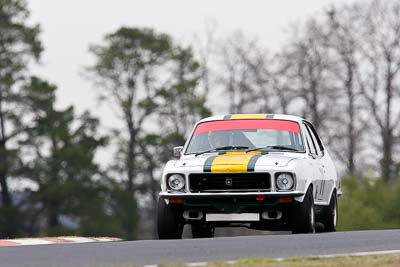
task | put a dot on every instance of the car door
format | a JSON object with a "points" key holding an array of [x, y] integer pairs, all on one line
{"points": [[329, 172], [318, 167]]}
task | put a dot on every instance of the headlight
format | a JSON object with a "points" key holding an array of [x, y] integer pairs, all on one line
{"points": [[284, 181], [176, 182]]}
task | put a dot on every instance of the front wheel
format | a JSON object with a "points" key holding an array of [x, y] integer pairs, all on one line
{"points": [[303, 215], [330, 215], [168, 224]]}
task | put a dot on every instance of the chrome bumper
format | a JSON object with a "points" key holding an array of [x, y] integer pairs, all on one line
{"points": [[230, 194]]}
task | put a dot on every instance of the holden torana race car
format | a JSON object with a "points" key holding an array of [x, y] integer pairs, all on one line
{"points": [[261, 171]]}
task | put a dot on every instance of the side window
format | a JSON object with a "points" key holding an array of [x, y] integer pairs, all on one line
{"points": [[317, 141], [319, 153], [310, 142]]}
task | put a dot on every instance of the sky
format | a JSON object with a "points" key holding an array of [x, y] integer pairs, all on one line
{"points": [[69, 27]]}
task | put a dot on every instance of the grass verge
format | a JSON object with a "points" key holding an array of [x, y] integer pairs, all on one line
{"points": [[388, 260]]}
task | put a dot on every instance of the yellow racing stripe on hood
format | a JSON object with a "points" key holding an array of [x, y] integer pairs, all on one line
{"points": [[233, 161]]}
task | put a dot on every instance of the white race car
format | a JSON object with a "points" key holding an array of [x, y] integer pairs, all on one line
{"points": [[262, 171]]}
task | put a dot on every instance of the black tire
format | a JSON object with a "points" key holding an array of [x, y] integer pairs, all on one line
{"points": [[303, 215], [330, 215], [168, 224], [202, 231]]}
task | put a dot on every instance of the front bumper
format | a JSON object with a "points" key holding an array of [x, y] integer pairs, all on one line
{"points": [[230, 194], [228, 203]]}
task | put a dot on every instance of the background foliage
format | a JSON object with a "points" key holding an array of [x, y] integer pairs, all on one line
{"points": [[369, 204]]}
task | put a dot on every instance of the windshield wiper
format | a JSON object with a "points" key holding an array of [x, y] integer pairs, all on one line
{"points": [[222, 148], [278, 147]]}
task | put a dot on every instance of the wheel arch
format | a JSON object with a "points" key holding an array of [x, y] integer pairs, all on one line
{"points": [[306, 188], [334, 190]]}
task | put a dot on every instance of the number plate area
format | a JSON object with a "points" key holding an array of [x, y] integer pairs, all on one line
{"points": [[223, 217]]}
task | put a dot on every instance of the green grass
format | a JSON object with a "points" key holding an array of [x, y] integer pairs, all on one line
{"points": [[389, 260]]}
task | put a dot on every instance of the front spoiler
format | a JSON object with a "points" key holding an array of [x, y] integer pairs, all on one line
{"points": [[230, 194]]}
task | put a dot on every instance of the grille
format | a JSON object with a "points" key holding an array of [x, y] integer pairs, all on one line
{"points": [[235, 182]]}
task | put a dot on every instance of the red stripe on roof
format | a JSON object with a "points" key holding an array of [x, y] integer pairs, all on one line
{"points": [[280, 125]]}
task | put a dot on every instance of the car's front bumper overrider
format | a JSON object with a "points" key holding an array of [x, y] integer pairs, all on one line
{"points": [[174, 194]]}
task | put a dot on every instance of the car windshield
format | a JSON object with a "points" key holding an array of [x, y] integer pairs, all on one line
{"points": [[246, 134]]}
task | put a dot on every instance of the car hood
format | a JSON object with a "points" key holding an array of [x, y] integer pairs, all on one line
{"points": [[239, 161]]}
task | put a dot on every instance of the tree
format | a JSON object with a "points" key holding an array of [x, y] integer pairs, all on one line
{"points": [[253, 80], [343, 41], [311, 74], [242, 74], [380, 74], [181, 103], [131, 67], [19, 45], [60, 152], [125, 70]]}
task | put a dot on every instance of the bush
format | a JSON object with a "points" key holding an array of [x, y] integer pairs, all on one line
{"points": [[369, 204]]}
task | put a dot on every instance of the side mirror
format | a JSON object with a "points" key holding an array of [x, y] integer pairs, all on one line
{"points": [[178, 151]]}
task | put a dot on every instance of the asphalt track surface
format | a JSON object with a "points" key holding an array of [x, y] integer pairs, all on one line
{"points": [[198, 250]]}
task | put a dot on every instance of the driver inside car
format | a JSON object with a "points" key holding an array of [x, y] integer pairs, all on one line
{"points": [[218, 139]]}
